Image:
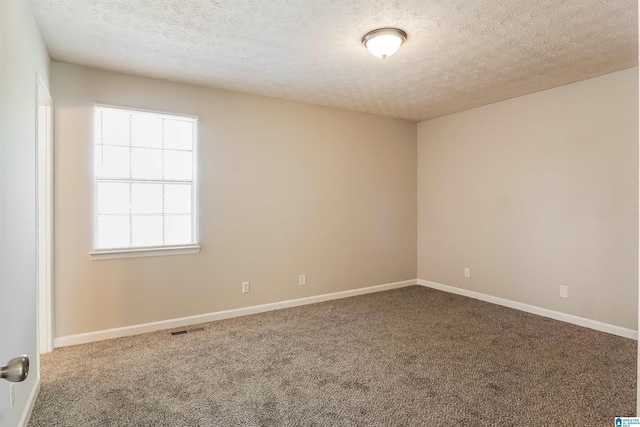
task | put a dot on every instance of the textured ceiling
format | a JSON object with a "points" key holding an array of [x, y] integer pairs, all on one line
{"points": [[459, 53]]}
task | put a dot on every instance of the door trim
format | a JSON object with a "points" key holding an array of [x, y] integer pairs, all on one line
{"points": [[44, 207]]}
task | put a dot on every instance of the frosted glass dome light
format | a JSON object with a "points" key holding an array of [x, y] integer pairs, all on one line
{"points": [[384, 42]]}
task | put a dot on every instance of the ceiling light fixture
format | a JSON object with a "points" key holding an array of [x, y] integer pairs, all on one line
{"points": [[384, 42]]}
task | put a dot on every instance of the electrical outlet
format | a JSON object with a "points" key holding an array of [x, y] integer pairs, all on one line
{"points": [[245, 287], [302, 279], [467, 272], [564, 291], [12, 396]]}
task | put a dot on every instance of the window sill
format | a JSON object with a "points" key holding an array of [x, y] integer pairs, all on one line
{"points": [[144, 252]]}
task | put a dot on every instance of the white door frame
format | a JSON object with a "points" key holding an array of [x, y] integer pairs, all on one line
{"points": [[44, 223]]}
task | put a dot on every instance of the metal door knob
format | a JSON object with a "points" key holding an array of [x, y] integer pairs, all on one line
{"points": [[16, 369]]}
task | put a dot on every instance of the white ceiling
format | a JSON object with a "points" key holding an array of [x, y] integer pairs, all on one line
{"points": [[459, 53]]}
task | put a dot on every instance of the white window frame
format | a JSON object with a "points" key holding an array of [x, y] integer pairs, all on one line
{"points": [[136, 252]]}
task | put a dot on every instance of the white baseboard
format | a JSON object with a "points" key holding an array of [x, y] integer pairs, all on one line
{"points": [[228, 314], [26, 415], [564, 317], [219, 315]]}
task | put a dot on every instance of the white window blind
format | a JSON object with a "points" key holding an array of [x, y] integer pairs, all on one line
{"points": [[145, 179]]}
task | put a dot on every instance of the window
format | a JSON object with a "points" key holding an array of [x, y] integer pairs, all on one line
{"points": [[144, 183]]}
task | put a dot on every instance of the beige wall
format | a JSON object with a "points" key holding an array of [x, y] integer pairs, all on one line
{"points": [[22, 55], [537, 192], [530, 194], [285, 189]]}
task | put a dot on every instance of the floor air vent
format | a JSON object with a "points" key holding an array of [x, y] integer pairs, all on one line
{"points": [[186, 331]]}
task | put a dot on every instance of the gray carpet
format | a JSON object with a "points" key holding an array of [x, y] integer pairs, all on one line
{"points": [[407, 357]]}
